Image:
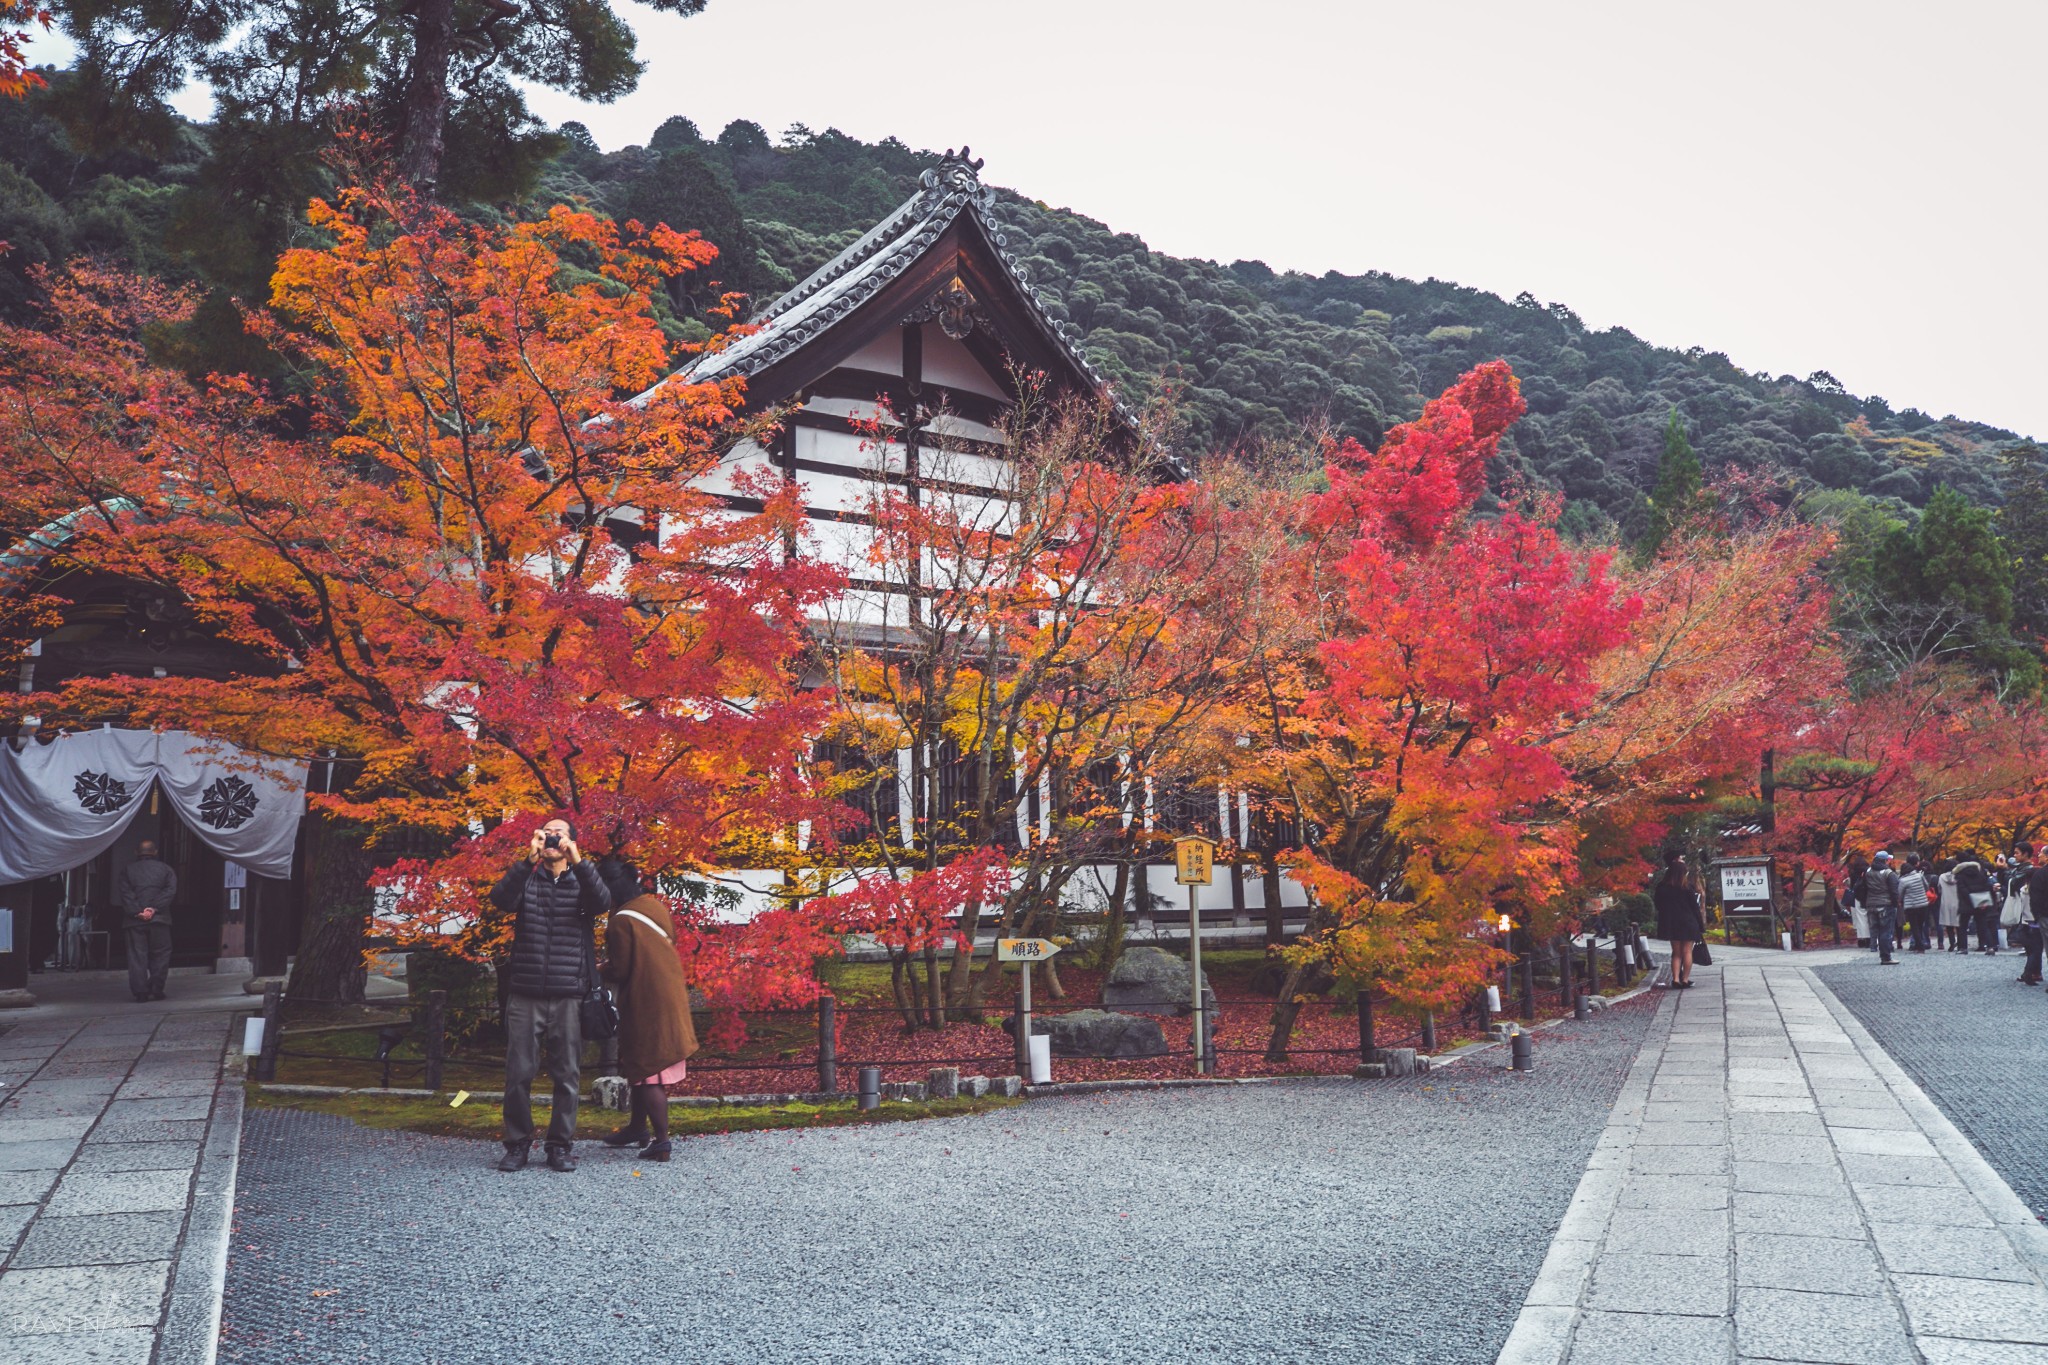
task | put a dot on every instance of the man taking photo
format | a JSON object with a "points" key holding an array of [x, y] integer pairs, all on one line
{"points": [[555, 896], [148, 886]]}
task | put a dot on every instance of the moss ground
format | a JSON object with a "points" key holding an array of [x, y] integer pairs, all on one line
{"points": [[480, 1118]]}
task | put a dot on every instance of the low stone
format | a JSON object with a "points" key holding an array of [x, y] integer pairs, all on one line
{"points": [[1597, 1002], [912, 1091], [943, 1083], [1369, 1071], [611, 1092], [1097, 1033], [974, 1087], [1007, 1087], [1268, 977], [1153, 981], [1399, 1061], [16, 1000]]}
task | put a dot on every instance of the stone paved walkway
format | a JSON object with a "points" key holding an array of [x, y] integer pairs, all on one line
{"points": [[1772, 1187], [116, 1184]]}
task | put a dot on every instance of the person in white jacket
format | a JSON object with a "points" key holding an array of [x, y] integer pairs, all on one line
{"points": [[1950, 911]]}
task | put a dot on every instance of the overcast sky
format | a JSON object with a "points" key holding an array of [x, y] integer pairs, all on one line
{"points": [[1803, 185]]}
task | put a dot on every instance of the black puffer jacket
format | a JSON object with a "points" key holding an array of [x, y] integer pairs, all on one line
{"points": [[552, 949]]}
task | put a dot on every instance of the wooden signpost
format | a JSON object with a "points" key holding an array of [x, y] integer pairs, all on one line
{"points": [[1026, 951], [1194, 867]]}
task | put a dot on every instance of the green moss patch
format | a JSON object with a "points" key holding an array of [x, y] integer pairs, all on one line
{"points": [[480, 1118]]}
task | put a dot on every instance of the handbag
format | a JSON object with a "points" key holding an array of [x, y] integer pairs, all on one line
{"points": [[2009, 917], [598, 1012], [1700, 956], [1980, 901]]}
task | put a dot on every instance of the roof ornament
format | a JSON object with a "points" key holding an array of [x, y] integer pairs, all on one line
{"points": [[953, 306], [957, 173]]}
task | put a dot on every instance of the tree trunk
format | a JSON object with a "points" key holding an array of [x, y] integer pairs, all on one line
{"points": [[935, 1013], [1313, 979], [425, 111], [339, 865], [1276, 923], [902, 990], [1112, 945]]}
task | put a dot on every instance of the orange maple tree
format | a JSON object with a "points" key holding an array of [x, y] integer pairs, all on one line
{"points": [[16, 77], [464, 557]]}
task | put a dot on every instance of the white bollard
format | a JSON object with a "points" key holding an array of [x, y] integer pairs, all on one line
{"points": [[1786, 939], [252, 1035], [1493, 999], [1041, 1059]]}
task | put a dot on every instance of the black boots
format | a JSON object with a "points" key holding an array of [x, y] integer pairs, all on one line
{"points": [[657, 1150], [516, 1157], [560, 1160]]}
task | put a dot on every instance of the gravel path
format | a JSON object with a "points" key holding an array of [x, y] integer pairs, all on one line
{"points": [[1971, 1037], [1387, 1221]]}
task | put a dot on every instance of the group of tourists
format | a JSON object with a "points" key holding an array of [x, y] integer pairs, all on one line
{"points": [[554, 987], [1943, 905], [1955, 905]]}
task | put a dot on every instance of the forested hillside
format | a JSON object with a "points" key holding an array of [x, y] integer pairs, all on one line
{"points": [[1252, 353], [1255, 352]]}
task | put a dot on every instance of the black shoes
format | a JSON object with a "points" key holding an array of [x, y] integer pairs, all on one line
{"points": [[657, 1150], [520, 1157], [632, 1136]]}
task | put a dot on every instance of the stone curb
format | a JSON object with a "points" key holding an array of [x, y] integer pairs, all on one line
{"points": [[1543, 1328], [1161, 1083], [191, 1328]]}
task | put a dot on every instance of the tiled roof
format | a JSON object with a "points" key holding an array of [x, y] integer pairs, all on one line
{"points": [[945, 192]]}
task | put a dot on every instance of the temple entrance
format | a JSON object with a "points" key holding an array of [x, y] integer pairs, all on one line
{"points": [[75, 809], [72, 920]]}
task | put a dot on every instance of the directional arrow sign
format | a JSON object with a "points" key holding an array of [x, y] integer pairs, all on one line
{"points": [[1025, 949]]}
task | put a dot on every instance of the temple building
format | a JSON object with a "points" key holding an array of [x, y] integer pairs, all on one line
{"points": [[891, 365]]}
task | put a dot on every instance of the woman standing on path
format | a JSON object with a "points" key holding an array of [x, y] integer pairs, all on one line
{"points": [[1949, 907], [657, 1036], [1678, 917], [1979, 900], [1916, 899]]}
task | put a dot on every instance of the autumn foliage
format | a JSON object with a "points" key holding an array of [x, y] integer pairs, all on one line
{"points": [[16, 78], [459, 555], [464, 554]]}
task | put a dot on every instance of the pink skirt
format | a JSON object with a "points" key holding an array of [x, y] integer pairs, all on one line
{"points": [[670, 1076]]}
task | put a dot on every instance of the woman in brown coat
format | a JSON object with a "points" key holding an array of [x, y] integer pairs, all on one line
{"points": [[657, 1036]]}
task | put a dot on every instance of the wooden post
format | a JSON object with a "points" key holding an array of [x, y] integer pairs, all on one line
{"points": [[1593, 963], [1528, 981], [273, 1026], [1429, 1031], [1564, 966], [828, 1044], [436, 1025], [1366, 1046]]}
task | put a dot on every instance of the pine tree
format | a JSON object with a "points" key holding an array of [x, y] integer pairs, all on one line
{"points": [[1678, 493]]}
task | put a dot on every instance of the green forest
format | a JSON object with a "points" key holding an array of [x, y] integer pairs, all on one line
{"points": [[1252, 354]]}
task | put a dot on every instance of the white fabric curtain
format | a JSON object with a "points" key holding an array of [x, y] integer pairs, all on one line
{"points": [[66, 802]]}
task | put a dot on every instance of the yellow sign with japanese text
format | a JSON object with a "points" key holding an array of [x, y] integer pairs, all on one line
{"points": [[1192, 860]]}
